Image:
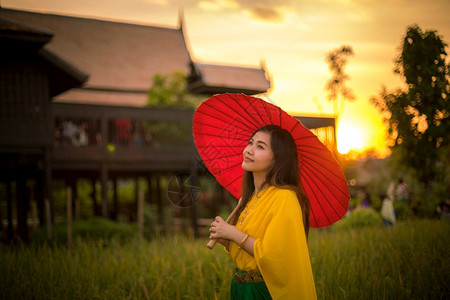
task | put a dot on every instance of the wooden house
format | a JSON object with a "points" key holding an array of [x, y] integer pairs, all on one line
{"points": [[30, 76], [73, 95]]}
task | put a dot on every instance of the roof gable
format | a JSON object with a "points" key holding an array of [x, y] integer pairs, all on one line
{"points": [[211, 79], [22, 47], [121, 59], [117, 56], [23, 33]]}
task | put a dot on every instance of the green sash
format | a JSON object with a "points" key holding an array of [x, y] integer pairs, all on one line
{"points": [[249, 291]]}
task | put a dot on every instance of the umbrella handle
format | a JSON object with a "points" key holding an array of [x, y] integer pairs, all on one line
{"points": [[213, 242]]}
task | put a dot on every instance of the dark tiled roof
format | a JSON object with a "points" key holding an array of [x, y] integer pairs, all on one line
{"points": [[21, 41], [122, 59], [116, 55], [211, 79], [62, 75], [316, 122], [12, 30]]}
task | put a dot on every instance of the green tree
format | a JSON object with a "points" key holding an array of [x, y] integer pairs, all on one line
{"points": [[418, 116], [171, 91], [336, 85]]}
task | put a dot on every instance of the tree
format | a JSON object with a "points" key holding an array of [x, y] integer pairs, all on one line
{"points": [[170, 91], [418, 116], [337, 60]]}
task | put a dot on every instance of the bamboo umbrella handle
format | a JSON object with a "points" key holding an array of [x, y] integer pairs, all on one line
{"points": [[213, 242]]}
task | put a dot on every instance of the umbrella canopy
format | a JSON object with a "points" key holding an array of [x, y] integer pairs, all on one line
{"points": [[224, 124]]}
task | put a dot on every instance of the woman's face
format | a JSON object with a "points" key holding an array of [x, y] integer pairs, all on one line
{"points": [[258, 156]]}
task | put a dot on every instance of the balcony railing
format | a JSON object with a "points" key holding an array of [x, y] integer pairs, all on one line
{"points": [[126, 136], [137, 137]]}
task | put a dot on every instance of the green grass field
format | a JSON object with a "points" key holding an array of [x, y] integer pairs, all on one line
{"points": [[408, 261]]}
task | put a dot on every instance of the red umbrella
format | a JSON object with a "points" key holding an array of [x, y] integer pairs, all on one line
{"points": [[224, 124]]}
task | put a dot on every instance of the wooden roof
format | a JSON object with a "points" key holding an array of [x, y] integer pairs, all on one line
{"points": [[122, 59], [214, 79], [316, 122], [117, 56], [19, 32], [62, 76], [20, 40]]}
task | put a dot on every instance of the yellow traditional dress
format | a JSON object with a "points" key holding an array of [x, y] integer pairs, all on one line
{"points": [[280, 249]]}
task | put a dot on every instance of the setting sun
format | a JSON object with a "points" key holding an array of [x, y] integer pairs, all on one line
{"points": [[360, 131], [350, 136]]}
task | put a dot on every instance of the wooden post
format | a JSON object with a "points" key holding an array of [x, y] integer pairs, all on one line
{"points": [[48, 219], [40, 196], [75, 200], [104, 183], [34, 213], [48, 183], [159, 201], [1, 217], [149, 187], [9, 209], [21, 192], [140, 213], [136, 195], [69, 216], [194, 191], [94, 197], [115, 214]]}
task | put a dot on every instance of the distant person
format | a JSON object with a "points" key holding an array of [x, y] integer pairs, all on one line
{"points": [[402, 193], [367, 200], [68, 133], [443, 209], [81, 137], [391, 191], [387, 211], [123, 131]]}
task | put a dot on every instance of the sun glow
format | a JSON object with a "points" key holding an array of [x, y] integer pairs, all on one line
{"points": [[350, 136]]}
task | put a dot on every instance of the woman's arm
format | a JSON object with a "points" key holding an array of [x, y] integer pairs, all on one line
{"points": [[225, 233]]}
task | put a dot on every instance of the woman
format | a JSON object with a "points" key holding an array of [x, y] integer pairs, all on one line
{"points": [[268, 237]]}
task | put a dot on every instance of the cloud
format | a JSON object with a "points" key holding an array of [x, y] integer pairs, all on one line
{"points": [[266, 13], [216, 5], [158, 2], [265, 10]]}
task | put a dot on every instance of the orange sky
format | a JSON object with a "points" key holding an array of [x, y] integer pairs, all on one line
{"points": [[292, 37]]}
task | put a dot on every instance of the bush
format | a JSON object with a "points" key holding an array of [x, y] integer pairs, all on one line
{"points": [[95, 228], [403, 211], [360, 217]]}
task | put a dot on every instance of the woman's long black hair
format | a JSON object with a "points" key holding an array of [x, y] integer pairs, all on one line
{"points": [[284, 172]]}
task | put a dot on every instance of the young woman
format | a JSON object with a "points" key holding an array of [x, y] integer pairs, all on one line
{"points": [[267, 239]]}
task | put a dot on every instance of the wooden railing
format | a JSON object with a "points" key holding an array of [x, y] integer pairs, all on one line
{"points": [[122, 137], [137, 137]]}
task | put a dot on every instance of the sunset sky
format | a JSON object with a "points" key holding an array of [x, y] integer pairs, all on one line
{"points": [[292, 38]]}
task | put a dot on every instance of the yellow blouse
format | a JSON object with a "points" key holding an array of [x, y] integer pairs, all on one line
{"points": [[280, 249]]}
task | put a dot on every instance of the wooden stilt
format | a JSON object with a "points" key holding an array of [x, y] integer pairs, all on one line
{"points": [[104, 183], [69, 216], [140, 213], [9, 210]]}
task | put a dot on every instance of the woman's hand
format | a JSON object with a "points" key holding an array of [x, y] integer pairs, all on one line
{"points": [[224, 233], [221, 230]]}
